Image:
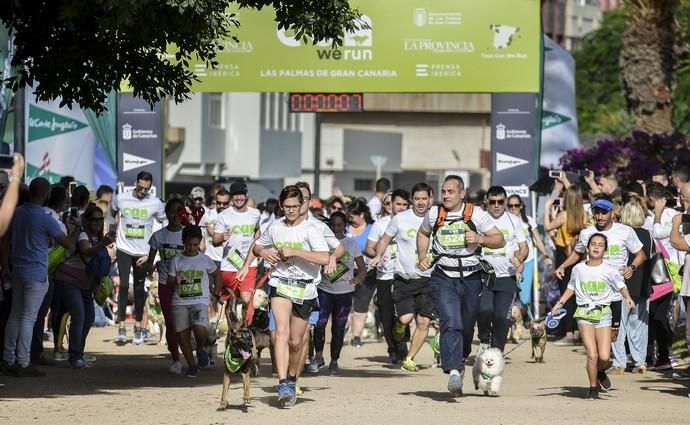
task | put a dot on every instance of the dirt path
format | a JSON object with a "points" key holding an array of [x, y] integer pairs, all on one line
{"points": [[131, 385]]}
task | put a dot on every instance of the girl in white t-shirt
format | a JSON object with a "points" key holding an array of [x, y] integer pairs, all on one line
{"points": [[335, 296], [595, 285], [167, 243], [189, 276], [297, 250]]}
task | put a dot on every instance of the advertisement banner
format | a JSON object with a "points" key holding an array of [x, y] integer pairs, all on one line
{"points": [[411, 46], [139, 140], [559, 116], [68, 142], [514, 142]]}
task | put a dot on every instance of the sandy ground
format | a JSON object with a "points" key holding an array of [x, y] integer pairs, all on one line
{"points": [[131, 385]]}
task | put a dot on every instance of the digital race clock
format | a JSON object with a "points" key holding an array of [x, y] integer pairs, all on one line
{"points": [[326, 102]]}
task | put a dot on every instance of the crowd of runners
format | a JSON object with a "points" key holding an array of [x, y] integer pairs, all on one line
{"points": [[418, 259]]}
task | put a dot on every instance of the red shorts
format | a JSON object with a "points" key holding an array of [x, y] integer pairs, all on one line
{"points": [[247, 285]]}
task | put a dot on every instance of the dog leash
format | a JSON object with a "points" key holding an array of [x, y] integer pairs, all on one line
{"points": [[515, 348]]}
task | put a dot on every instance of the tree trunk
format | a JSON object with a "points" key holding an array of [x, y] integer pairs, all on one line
{"points": [[647, 62]]}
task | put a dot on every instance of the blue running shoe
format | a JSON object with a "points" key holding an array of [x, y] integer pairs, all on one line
{"points": [[285, 395], [202, 357]]}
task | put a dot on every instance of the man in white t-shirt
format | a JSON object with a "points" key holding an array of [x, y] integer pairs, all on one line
{"points": [[383, 185], [208, 222], [400, 200], [456, 281], [136, 212], [236, 229], [411, 285], [493, 318]]}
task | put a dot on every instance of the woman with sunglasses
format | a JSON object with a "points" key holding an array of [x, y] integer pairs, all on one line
{"points": [[517, 207], [74, 286]]}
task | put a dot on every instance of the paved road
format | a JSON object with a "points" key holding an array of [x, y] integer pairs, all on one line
{"points": [[131, 385]]}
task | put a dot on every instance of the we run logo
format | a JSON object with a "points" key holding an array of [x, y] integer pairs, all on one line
{"points": [[356, 45]]}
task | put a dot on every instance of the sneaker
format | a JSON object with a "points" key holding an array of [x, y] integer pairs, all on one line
{"points": [[356, 341], [192, 371], [333, 368], [398, 331], [604, 380], [89, 357], [619, 371], [44, 361], [455, 383], [285, 395], [592, 394], [175, 368], [202, 357], [138, 338], [80, 364], [641, 369], [315, 364], [6, 369], [145, 333], [59, 356], [683, 375], [121, 337], [29, 371], [662, 366], [409, 365]]}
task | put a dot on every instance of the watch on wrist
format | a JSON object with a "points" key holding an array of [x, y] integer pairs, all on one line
{"points": [[633, 267]]}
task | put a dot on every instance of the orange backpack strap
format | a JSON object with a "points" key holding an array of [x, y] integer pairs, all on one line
{"points": [[467, 212], [442, 214]]}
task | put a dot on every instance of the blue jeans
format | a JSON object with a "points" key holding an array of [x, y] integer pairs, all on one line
{"points": [[79, 304], [493, 319], [634, 328], [27, 297], [456, 305]]}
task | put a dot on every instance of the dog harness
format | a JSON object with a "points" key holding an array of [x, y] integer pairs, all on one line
{"points": [[232, 364]]}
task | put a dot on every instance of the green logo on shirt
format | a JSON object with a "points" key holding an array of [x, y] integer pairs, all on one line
{"points": [[243, 229], [593, 286], [411, 233], [613, 251], [135, 212], [289, 244]]}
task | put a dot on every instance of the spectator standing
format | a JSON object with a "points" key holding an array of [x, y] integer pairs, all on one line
{"points": [[383, 185], [32, 230]]}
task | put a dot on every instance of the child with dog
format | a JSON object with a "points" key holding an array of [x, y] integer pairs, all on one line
{"points": [[168, 242], [335, 296], [595, 285], [189, 277], [297, 249]]}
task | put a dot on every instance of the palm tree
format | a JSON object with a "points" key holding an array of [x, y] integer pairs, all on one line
{"points": [[648, 61]]}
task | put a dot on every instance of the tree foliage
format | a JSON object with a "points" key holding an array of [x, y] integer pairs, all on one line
{"points": [[601, 106], [638, 156], [80, 50]]}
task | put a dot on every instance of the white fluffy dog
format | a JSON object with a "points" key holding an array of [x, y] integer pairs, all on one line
{"points": [[488, 370]]}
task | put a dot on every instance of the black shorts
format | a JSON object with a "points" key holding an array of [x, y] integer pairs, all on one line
{"points": [[364, 293], [304, 310], [413, 297]]}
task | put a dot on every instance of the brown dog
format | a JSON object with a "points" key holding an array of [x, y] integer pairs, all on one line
{"points": [[537, 330], [240, 352], [517, 329]]}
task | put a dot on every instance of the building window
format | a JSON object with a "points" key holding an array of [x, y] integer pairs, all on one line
{"points": [[364, 185], [216, 113]]}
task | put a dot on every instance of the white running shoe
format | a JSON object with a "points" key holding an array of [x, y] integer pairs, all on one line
{"points": [[175, 368]]}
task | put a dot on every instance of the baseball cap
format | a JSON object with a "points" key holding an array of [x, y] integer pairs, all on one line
{"points": [[197, 192], [238, 187], [603, 204]]}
